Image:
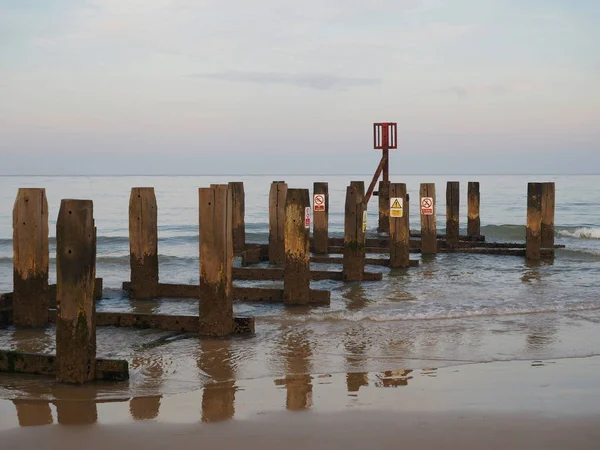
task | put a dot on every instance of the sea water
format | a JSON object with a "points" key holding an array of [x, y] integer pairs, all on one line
{"points": [[452, 309]]}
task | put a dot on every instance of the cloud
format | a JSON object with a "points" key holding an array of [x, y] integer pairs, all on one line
{"points": [[321, 82]]}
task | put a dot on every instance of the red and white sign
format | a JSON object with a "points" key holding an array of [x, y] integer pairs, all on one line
{"points": [[427, 206], [307, 217], [319, 202]]}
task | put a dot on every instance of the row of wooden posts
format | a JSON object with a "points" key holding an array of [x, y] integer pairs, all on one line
{"points": [[221, 234]]}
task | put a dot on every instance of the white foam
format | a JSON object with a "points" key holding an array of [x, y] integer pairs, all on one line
{"points": [[581, 233]]}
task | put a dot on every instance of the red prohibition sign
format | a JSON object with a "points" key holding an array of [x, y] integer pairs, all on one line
{"points": [[319, 199], [426, 203]]}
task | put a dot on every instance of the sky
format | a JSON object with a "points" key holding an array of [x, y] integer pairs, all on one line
{"points": [[273, 86]]}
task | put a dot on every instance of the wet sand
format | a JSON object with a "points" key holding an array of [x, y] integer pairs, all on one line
{"points": [[519, 404], [348, 430]]}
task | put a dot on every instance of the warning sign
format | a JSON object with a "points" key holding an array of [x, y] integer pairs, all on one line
{"points": [[396, 207], [319, 202], [307, 217], [427, 206], [364, 221]]}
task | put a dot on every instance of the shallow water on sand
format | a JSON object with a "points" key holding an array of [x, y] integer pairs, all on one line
{"points": [[452, 309]]}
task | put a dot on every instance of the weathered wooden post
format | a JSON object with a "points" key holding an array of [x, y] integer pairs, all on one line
{"points": [[473, 199], [216, 260], [75, 279], [428, 225], [30, 258], [296, 272], [452, 211], [360, 185], [143, 242], [384, 207], [277, 196], [533, 240], [354, 235], [321, 218], [399, 226], [548, 205], [239, 210]]}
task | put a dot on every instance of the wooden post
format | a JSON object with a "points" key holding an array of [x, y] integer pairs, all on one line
{"points": [[75, 279], [143, 242], [474, 222], [399, 227], [296, 272], [384, 207], [428, 225], [354, 236], [30, 258], [533, 241], [321, 219], [360, 185], [548, 203], [277, 196], [239, 210], [452, 208], [216, 260]]}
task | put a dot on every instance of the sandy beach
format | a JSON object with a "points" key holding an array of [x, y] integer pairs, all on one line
{"points": [[519, 404]]}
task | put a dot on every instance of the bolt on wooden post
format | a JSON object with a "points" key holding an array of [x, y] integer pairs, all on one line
{"points": [[354, 235], [428, 225], [143, 243], [321, 218], [384, 207], [452, 213], [548, 206], [216, 260], [533, 239], [277, 196], [75, 279], [239, 210], [399, 226], [473, 199], [30, 258], [296, 271]]}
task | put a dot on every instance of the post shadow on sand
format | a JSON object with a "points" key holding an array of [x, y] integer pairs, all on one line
{"points": [[298, 382], [218, 396]]}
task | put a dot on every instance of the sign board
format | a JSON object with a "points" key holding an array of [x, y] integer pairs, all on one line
{"points": [[396, 206], [427, 206], [319, 202], [364, 221], [307, 217]]}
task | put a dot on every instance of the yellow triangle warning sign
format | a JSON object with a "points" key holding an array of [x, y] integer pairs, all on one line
{"points": [[396, 204]]}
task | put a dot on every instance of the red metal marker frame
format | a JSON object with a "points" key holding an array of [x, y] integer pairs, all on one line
{"points": [[385, 137]]}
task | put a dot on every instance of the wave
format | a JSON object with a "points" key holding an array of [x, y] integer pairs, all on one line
{"points": [[579, 233], [504, 232], [389, 316]]}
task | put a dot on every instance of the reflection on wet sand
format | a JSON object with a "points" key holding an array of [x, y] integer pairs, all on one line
{"points": [[147, 407], [298, 383], [393, 378], [356, 298], [33, 413], [218, 396], [78, 406]]}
